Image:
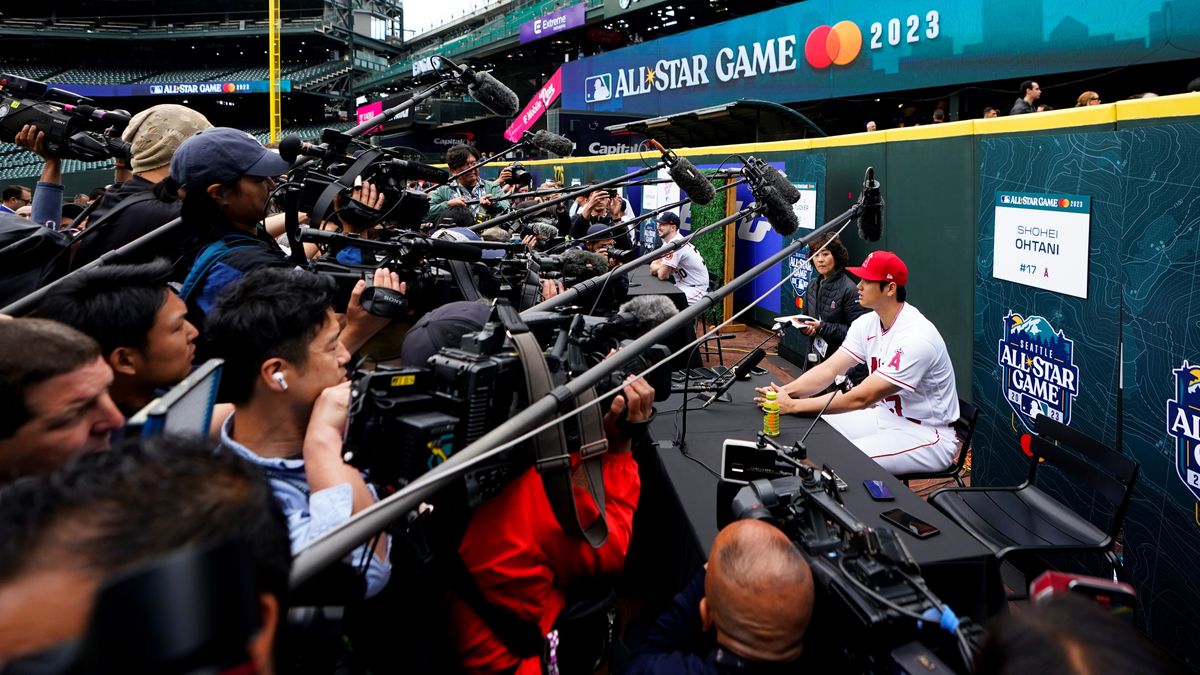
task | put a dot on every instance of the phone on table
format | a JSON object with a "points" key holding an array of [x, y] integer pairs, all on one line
{"points": [[879, 490], [910, 523]]}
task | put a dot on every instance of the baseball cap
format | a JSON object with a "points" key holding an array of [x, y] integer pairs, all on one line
{"points": [[155, 133], [668, 217], [597, 228], [222, 155], [882, 266], [442, 327]]}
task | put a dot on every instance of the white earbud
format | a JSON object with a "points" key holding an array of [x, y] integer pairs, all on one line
{"points": [[279, 378]]}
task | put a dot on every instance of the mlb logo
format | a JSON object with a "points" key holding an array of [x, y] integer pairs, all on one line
{"points": [[156, 89], [597, 88]]}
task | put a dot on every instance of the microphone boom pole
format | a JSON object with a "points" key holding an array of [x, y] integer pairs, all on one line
{"points": [[335, 544]]}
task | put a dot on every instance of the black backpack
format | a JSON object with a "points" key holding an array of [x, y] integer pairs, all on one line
{"points": [[29, 257]]}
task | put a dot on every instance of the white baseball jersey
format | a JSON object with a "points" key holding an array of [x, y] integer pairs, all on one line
{"points": [[688, 270], [912, 356]]}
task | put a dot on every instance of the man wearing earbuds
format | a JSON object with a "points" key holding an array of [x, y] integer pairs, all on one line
{"points": [[285, 373]]}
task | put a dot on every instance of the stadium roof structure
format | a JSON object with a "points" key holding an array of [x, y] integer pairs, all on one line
{"points": [[741, 121]]}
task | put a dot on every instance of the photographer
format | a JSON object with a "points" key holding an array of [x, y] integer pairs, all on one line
{"points": [[107, 515], [468, 186], [747, 612], [138, 320], [154, 136], [285, 373], [47, 204]]}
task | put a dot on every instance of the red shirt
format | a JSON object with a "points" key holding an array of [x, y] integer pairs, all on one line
{"points": [[522, 560]]}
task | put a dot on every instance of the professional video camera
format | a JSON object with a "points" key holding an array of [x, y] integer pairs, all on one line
{"points": [[405, 421], [323, 188], [74, 128], [874, 612]]}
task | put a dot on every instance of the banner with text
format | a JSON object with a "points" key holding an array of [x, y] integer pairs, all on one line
{"points": [[558, 21], [174, 88], [823, 49], [537, 107], [1042, 241]]}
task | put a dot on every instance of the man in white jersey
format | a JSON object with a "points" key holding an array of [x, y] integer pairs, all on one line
{"points": [[901, 413], [684, 267]]}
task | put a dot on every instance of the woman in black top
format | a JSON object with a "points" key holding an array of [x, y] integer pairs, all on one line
{"points": [[833, 299]]}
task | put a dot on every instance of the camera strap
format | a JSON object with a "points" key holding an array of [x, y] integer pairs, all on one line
{"points": [[553, 455], [346, 180]]}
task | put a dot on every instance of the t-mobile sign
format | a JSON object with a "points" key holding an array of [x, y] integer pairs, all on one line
{"points": [[554, 23], [370, 111]]}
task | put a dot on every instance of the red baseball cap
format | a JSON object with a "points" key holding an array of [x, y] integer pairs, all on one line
{"points": [[882, 266]]}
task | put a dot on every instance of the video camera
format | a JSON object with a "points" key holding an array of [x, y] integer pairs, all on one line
{"points": [[324, 187], [405, 421], [74, 127], [874, 611]]}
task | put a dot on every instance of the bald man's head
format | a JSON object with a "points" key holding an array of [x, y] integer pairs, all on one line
{"points": [[758, 592]]}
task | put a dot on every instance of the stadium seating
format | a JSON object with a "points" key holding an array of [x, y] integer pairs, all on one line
{"points": [[94, 75], [207, 74]]}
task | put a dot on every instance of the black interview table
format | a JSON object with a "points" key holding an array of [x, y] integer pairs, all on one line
{"points": [[677, 515]]}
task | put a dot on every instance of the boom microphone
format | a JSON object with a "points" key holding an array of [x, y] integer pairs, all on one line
{"points": [[438, 248], [870, 218], [486, 89], [779, 212], [780, 182], [650, 310], [579, 264], [292, 148], [690, 180], [544, 140]]}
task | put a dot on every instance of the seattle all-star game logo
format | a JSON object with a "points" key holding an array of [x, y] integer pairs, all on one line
{"points": [[801, 275], [1040, 376], [1183, 424]]}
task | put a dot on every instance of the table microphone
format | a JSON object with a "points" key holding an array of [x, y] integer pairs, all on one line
{"points": [[841, 384], [738, 371], [870, 219]]}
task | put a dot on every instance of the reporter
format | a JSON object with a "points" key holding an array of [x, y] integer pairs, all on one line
{"points": [[138, 320], [54, 400], [285, 373], [833, 299]]}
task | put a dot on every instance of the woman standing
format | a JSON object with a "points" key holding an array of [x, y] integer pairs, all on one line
{"points": [[832, 298]]}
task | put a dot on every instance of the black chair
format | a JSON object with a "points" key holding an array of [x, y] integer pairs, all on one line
{"points": [[1026, 520], [964, 428], [711, 317]]}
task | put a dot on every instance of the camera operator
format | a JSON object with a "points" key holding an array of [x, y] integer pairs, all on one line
{"points": [[285, 373], [684, 267], [54, 401], [746, 612], [47, 204], [521, 559], [467, 186], [105, 515], [139, 321], [154, 136]]}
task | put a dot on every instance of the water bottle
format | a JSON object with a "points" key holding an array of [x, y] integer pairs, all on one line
{"points": [[771, 415]]}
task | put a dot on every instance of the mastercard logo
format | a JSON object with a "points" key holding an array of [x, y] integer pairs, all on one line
{"points": [[1064, 203], [229, 87], [838, 44]]}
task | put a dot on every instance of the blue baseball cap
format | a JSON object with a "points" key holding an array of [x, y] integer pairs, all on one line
{"points": [[222, 155], [668, 217]]}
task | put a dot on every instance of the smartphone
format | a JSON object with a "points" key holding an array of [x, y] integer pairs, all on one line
{"points": [[910, 523], [879, 490]]}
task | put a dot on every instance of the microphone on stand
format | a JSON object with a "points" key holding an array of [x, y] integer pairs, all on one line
{"points": [[870, 220], [685, 174], [739, 371], [842, 385]]}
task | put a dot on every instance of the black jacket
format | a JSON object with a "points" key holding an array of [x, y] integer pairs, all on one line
{"points": [[835, 302], [130, 224]]}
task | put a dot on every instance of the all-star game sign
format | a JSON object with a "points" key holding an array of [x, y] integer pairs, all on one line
{"points": [[801, 276], [1040, 376], [1183, 424]]}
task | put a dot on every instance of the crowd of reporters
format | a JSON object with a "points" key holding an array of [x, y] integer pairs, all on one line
{"points": [[84, 511]]}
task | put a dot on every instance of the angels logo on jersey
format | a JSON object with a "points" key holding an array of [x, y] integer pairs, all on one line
{"points": [[1183, 424], [1040, 376]]}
